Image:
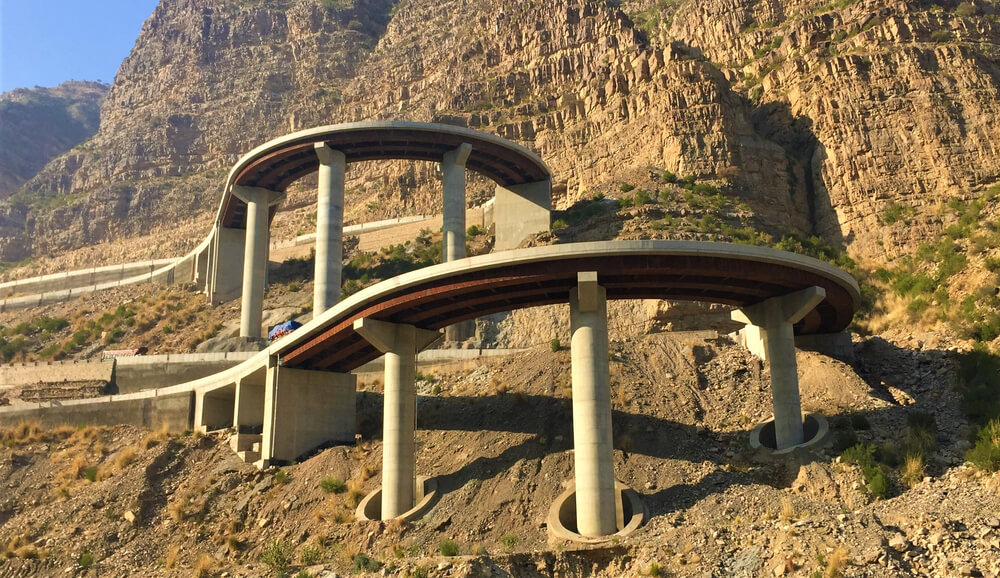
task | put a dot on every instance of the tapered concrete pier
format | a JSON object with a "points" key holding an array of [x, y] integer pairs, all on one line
{"points": [[593, 454], [774, 318], [329, 228], [453, 244], [258, 202], [400, 343]]}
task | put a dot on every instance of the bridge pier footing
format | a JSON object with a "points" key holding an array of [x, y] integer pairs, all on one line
{"points": [[593, 453], [774, 319], [400, 343]]}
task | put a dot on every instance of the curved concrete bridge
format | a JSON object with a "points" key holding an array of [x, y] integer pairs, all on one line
{"points": [[299, 392]]}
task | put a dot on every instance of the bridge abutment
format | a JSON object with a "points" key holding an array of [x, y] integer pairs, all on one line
{"points": [[303, 410], [593, 453], [329, 228], [774, 319], [400, 343]]}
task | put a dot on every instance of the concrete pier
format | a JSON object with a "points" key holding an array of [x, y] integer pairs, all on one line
{"points": [[453, 244], [453, 175], [593, 454], [258, 202], [774, 319], [400, 343], [520, 211], [329, 228]]}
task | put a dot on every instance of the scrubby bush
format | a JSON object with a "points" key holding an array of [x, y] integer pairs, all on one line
{"points": [[555, 345], [448, 547], [363, 563], [986, 453], [332, 485], [277, 556]]}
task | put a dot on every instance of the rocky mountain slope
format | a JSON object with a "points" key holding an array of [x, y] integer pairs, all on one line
{"points": [[820, 116], [37, 124]]}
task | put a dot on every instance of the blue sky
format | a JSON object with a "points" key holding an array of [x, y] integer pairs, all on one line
{"points": [[46, 42]]}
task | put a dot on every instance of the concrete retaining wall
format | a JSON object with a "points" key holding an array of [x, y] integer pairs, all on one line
{"points": [[151, 371], [81, 278], [56, 371], [143, 409]]}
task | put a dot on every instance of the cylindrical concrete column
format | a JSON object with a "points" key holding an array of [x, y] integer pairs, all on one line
{"points": [[399, 425], [784, 384], [593, 454], [453, 175], [329, 228], [254, 263]]}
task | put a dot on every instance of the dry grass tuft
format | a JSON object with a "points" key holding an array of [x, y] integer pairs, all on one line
{"points": [[354, 494], [787, 509], [367, 472], [203, 566], [836, 563], [154, 438], [913, 470], [188, 503], [170, 559], [124, 457]]}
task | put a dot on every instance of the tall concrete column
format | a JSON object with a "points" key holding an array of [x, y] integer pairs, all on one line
{"points": [[453, 175], [520, 211], [329, 228], [453, 244], [775, 318], [400, 343], [593, 454], [258, 202]]}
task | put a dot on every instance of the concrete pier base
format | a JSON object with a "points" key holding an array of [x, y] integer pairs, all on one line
{"points": [[775, 318], [593, 454], [304, 410], [329, 228], [400, 343]]}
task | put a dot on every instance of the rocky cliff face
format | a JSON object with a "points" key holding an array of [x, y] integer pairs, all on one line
{"points": [[37, 124], [820, 116]]}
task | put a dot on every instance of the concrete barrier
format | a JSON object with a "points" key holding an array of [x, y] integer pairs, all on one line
{"points": [[57, 371], [152, 371], [146, 409]]}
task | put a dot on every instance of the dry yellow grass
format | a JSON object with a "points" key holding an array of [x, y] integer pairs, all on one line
{"points": [[170, 559], [367, 472], [203, 566], [124, 457], [913, 470], [354, 494], [154, 438], [787, 509], [836, 563]]}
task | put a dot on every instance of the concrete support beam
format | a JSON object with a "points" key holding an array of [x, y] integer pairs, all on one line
{"points": [[520, 211], [258, 202], [775, 318], [593, 453], [329, 228], [226, 264], [303, 410], [400, 343]]}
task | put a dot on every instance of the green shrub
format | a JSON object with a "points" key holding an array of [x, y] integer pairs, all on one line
{"points": [[986, 453], [554, 345], [277, 556], [363, 563], [448, 547], [863, 455], [559, 225], [281, 477], [311, 554], [508, 541], [90, 473], [626, 187], [332, 485], [844, 439], [940, 36], [472, 231], [86, 560]]}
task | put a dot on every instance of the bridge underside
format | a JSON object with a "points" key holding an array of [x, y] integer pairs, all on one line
{"points": [[442, 302]]}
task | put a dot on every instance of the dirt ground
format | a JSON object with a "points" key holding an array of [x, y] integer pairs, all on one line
{"points": [[498, 439]]}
